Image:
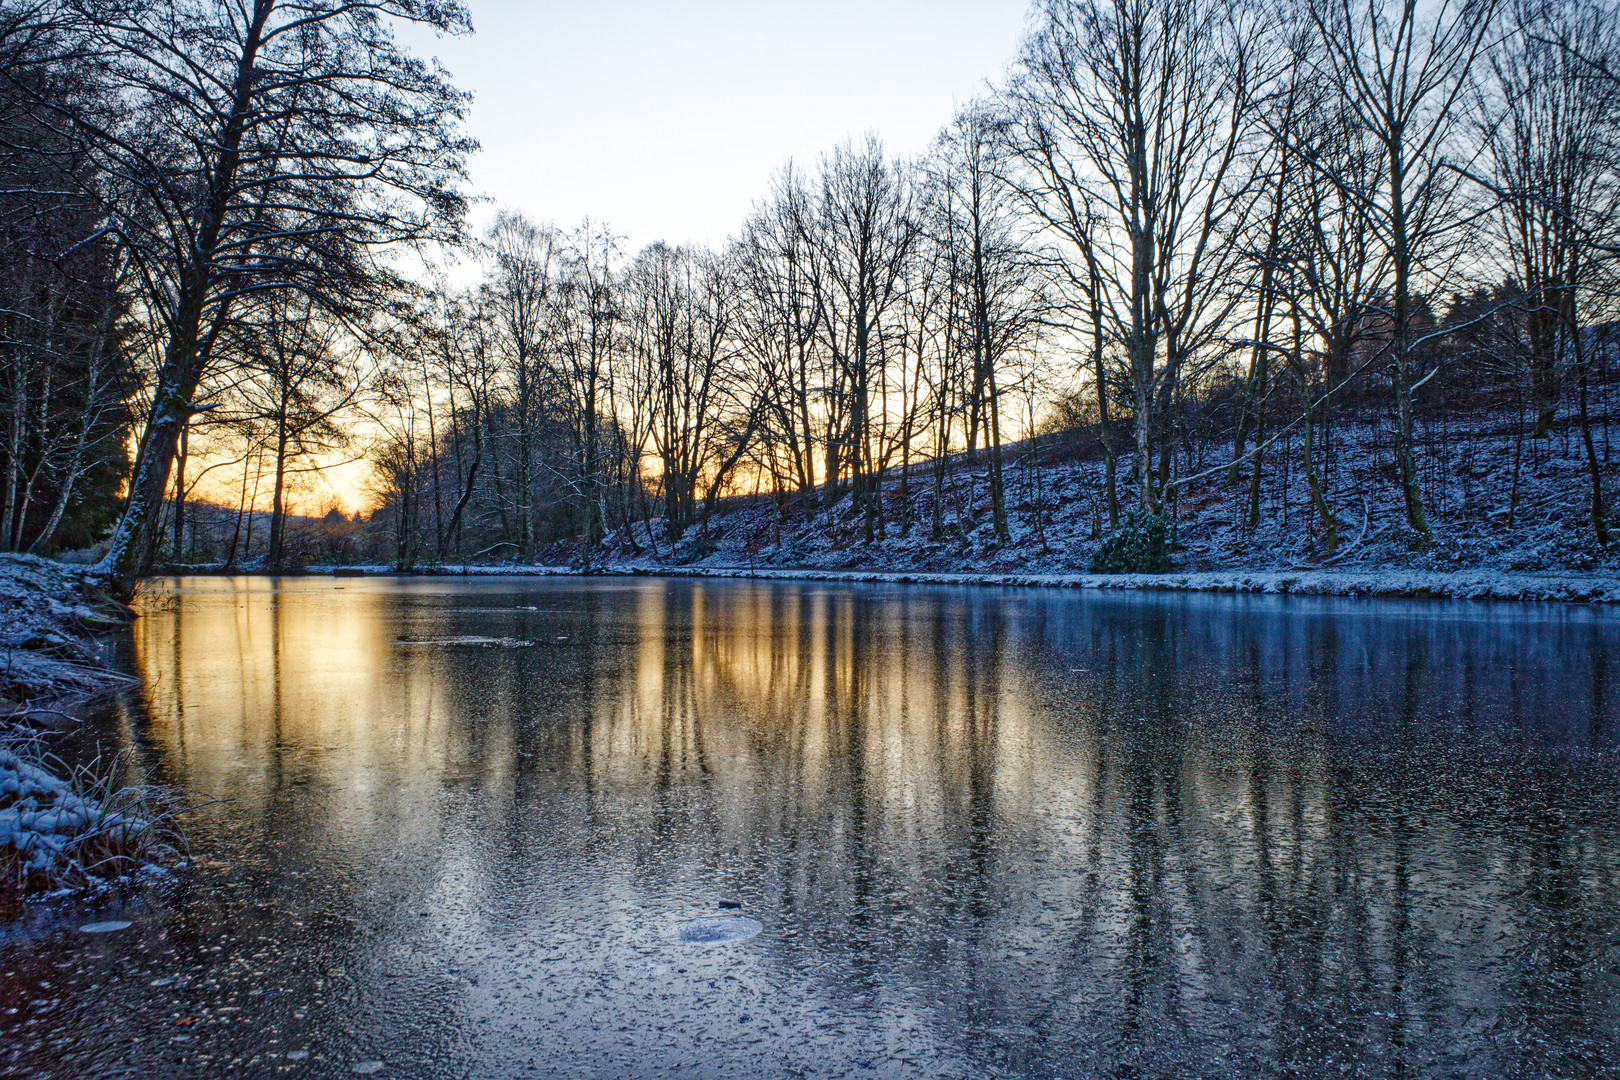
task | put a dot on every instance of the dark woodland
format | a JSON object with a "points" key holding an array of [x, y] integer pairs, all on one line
{"points": [[1207, 282]]}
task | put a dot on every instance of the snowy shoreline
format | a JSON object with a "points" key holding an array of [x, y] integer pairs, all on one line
{"points": [[65, 826], [51, 616], [1502, 528], [1394, 583], [1390, 583]]}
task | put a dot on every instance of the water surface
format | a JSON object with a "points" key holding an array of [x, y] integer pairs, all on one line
{"points": [[571, 827]]}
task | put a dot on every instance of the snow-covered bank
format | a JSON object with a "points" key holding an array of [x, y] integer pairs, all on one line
{"points": [[63, 826], [1390, 583], [50, 617], [1509, 519], [1414, 584], [68, 833]]}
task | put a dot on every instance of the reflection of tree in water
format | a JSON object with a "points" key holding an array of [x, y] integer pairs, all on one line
{"points": [[879, 721], [1557, 940], [1324, 944], [1071, 833]]}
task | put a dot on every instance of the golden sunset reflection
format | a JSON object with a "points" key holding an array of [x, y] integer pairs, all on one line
{"points": [[1172, 807]]}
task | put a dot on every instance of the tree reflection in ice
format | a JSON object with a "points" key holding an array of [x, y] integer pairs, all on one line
{"points": [[1041, 831]]}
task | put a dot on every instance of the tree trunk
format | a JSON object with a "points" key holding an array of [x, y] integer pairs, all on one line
{"points": [[135, 538], [1104, 426], [1600, 527], [180, 496], [277, 515]]}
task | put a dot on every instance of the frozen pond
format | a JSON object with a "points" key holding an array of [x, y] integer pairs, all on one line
{"points": [[627, 827]]}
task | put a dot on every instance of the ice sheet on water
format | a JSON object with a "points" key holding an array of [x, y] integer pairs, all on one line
{"points": [[717, 929], [469, 639]]}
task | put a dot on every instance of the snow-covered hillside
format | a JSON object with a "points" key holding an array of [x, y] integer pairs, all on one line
{"points": [[1507, 518]]}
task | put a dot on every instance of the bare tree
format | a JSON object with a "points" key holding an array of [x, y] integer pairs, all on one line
{"points": [[991, 268], [1129, 116], [249, 145], [457, 345], [684, 304], [303, 373], [1403, 74], [521, 297], [866, 232], [587, 338], [1328, 274], [779, 317], [1549, 132]]}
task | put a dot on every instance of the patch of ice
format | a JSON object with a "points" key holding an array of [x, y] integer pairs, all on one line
{"points": [[470, 639], [717, 929]]}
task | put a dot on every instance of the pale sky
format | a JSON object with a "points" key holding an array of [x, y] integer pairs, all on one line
{"points": [[667, 120]]}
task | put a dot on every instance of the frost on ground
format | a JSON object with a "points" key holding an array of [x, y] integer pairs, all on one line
{"points": [[57, 833], [49, 617], [1509, 520], [1509, 517], [62, 826]]}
